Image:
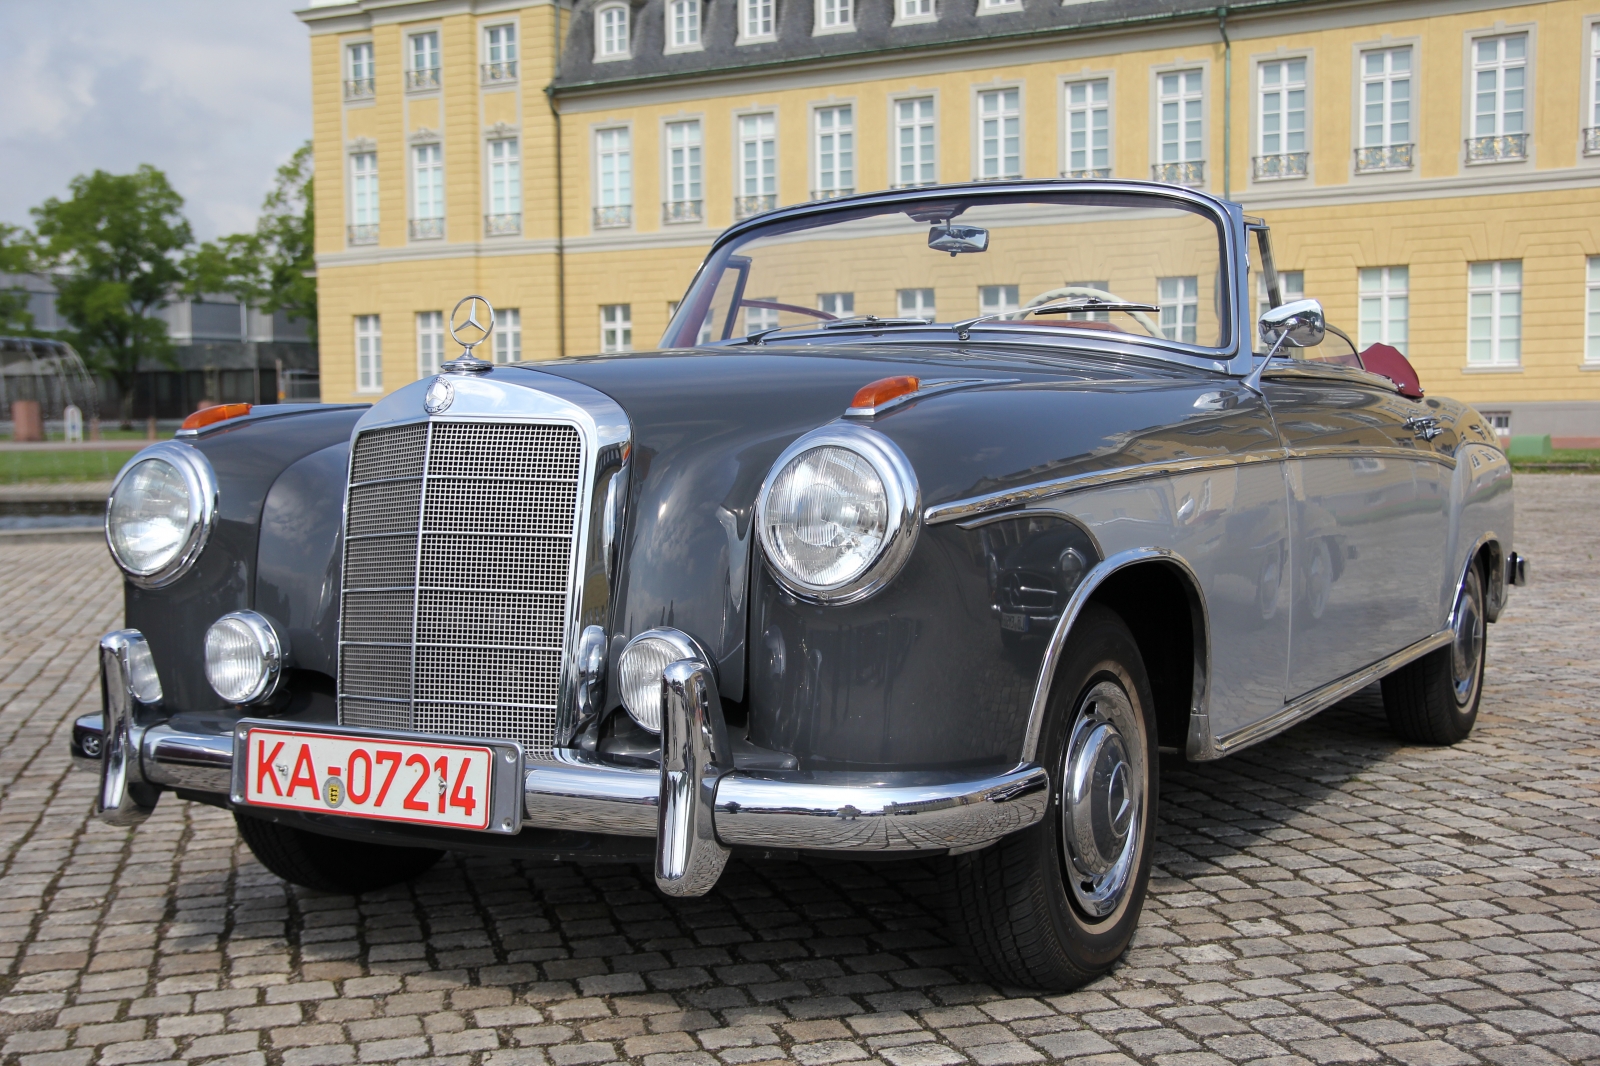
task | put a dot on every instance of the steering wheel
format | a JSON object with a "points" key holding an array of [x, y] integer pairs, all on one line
{"points": [[1068, 291]]}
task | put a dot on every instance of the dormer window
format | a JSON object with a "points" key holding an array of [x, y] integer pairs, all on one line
{"points": [[756, 22], [611, 36], [913, 11], [683, 25], [835, 16]]}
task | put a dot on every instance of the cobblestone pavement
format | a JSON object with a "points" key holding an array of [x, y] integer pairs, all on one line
{"points": [[1329, 896]]}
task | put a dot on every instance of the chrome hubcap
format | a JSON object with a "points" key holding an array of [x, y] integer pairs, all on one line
{"points": [[1467, 646], [1102, 800]]}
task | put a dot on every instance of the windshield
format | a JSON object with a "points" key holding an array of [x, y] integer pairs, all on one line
{"points": [[1134, 264]]}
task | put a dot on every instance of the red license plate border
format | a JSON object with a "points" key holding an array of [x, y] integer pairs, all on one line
{"points": [[507, 775]]}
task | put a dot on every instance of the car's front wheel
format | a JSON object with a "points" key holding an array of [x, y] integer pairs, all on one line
{"points": [[1055, 905], [312, 860], [1434, 700]]}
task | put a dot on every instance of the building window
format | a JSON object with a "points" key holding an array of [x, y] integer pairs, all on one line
{"points": [[369, 354], [1000, 134], [505, 188], [917, 303], [616, 328], [430, 342], [364, 198], [755, 19], [1499, 103], [1591, 351], [359, 81], [611, 42], [1385, 111], [997, 5], [997, 299], [500, 53], [1494, 329], [1180, 307], [837, 304], [1385, 306], [683, 25], [914, 10], [913, 129], [758, 165], [1281, 118], [1591, 135], [1291, 287], [836, 152], [684, 197], [427, 192], [836, 15], [614, 172], [508, 335], [1099, 289], [423, 69], [1088, 107], [1180, 97]]}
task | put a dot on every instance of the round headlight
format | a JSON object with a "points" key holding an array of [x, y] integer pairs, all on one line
{"points": [[639, 670], [159, 513], [838, 514], [244, 657]]}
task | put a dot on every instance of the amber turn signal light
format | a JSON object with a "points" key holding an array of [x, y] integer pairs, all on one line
{"points": [[208, 416], [883, 390]]}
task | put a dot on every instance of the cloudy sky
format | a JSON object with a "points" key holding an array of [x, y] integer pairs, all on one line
{"points": [[214, 92]]}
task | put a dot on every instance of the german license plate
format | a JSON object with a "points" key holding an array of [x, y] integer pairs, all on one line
{"points": [[1014, 622], [425, 783]]}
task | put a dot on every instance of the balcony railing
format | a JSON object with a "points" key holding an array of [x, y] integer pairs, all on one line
{"points": [[676, 211], [745, 206], [363, 233], [617, 216], [1591, 141], [1381, 157], [418, 80], [1505, 148], [1285, 166], [833, 194], [913, 184], [427, 229], [1192, 172], [1087, 172], [495, 73], [359, 88], [502, 225]]}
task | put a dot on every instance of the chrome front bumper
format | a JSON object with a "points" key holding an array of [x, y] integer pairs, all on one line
{"points": [[695, 806]]}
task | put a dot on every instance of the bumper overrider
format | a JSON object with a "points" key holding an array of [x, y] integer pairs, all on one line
{"points": [[696, 806]]}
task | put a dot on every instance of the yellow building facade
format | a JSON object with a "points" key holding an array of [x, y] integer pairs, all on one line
{"points": [[1430, 168]]}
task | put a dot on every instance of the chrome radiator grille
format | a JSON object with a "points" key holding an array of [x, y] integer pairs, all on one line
{"points": [[458, 551]]}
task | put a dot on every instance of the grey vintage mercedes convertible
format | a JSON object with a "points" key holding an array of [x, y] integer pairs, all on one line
{"points": [[938, 517]]}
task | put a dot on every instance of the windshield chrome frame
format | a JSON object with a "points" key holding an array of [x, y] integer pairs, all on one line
{"points": [[1232, 356]]}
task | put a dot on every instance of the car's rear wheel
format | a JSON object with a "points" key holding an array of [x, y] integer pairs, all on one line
{"points": [[1434, 700], [312, 860], [1055, 905]]}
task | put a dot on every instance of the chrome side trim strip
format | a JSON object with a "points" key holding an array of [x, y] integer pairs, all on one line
{"points": [[1317, 699], [959, 510], [124, 797], [1409, 454], [694, 753]]}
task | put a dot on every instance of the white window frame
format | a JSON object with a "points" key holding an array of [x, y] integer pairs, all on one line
{"points": [[369, 353], [1500, 67], [613, 36], [350, 69], [1291, 287], [430, 342], [1593, 75], [762, 180], [1281, 97], [364, 176], [435, 52], [1386, 81], [999, 299], [508, 335], [993, 7], [683, 171], [1072, 111], [835, 144], [504, 157], [923, 128], [1384, 306], [507, 44], [1591, 351], [758, 21], [834, 16], [907, 12], [620, 193], [616, 327], [1494, 301], [432, 168], [837, 304], [981, 131], [1200, 96], [917, 303], [1180, 308], [684, 30]]}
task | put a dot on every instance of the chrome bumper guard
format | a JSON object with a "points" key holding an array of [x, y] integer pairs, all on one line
{"points": [[696, 805]]}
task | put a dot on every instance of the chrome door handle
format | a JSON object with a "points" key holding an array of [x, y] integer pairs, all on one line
{"points": [[1425, 426]]}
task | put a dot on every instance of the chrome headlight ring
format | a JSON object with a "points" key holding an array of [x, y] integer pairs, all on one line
{"points": [[243, 639], [200, 481], [903, 504]]}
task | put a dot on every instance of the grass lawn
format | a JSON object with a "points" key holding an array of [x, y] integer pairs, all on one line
{"points": [[1584, 461], [18, 467]]}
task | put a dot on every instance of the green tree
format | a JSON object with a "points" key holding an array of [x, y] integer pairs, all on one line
{"points": [[114, 249], [15, 317], [273, 268]]}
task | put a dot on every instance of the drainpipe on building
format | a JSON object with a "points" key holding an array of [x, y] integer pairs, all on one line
{"points": [[561, 207], [1227, 104]]}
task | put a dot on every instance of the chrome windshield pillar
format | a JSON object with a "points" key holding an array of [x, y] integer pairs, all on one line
{"points": [[694, 754], [127, 682]]}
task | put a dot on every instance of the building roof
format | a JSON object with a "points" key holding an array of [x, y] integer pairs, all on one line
{"points": [[958, 24]]}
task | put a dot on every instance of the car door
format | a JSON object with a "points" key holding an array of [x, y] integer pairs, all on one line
{"points": [[1367, 518]]}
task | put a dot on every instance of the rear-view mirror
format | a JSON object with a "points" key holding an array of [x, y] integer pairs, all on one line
{"points": [[956, 239]]}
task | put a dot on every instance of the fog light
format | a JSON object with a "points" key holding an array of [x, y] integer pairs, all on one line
{"points": [[244, 657], [639, 671]]}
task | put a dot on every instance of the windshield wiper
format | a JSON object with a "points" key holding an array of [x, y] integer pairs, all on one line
{"points": [[857, 322], [1065, 307]]}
